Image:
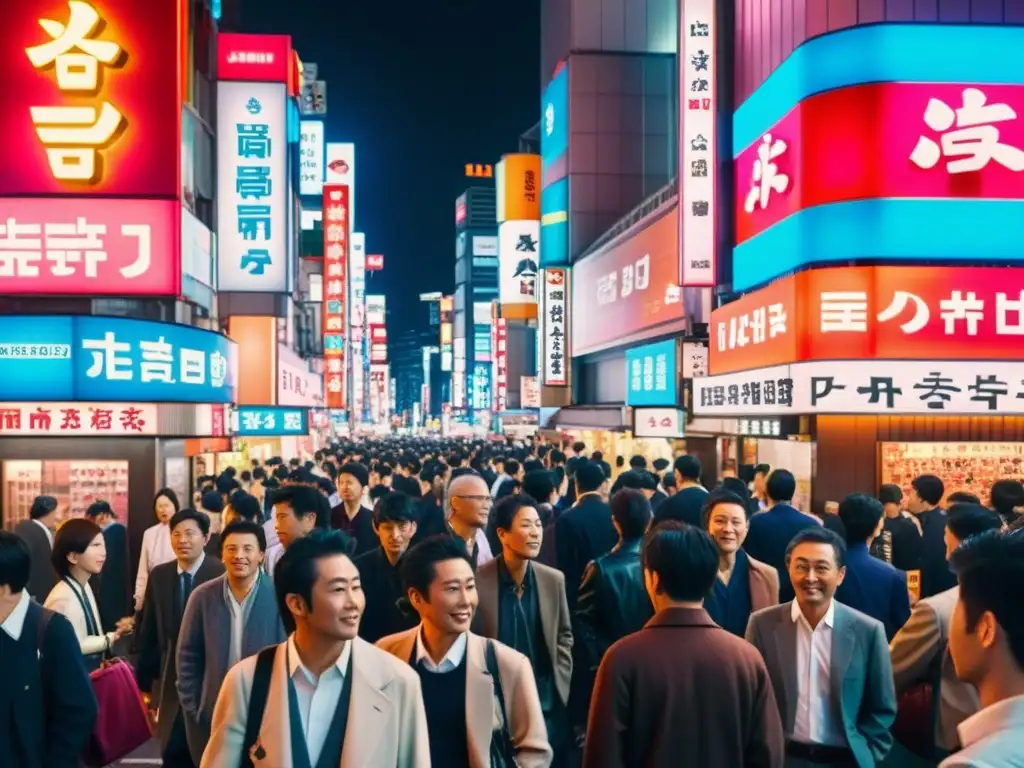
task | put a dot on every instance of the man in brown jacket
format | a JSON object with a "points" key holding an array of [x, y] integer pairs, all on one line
{"points": [[682, 691]]}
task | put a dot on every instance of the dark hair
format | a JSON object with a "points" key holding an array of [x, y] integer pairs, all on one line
{"points": [[98, 508], [246, 476], [358, 471], [632, 511], [540, 484], [15, 562], [763, 469], [226, 484], [212, 501], [1006, 495], [171, 497], [929, 488], [638, 462], [73, 537], [990, 568], [818, 534], [201, 519], [462, 471], [533, 465], [378, 492], [418, 566], [685, 559], [325, 485], [620, 461], [890, 493], [394, 507], [860, 514], [668, 480], [965, 520], [597, 456], [304, 501], [589, 477], [660, 465], [246, 506], [780, 486], [722, 496], [243, 527], [511, 467], [631, 478], [557, 457], [962, 497], [688, 467], [509, 487], [579, 446], [42, 506], [296, 571], [506, 509]]}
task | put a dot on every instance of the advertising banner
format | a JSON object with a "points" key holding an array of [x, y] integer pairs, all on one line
{"points": [[915, 313], [485, 245], [254, 58], [341, 169], [312, 153], [932, 387], [337, 228], [554, 224], [374, 262], [651, 374], [78, 420], [628, 291], [500, 346], [257, 421], [357, 320], [659, 422], [480, 391], [698, 145], [89, 247], [296, 384], [376, 309], [252, 204], [554, 122], [105, 359], [554, 327], [518, 188], [529, 392], [91, 100], [518, 243], [446, 305]]}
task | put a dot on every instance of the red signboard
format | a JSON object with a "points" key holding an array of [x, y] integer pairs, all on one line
{"points": [[90, 247], [66, 419], [254, 58], [337, 228], [374, 262], [91, 98], [500, 339], [628, 291], [856, 313]]}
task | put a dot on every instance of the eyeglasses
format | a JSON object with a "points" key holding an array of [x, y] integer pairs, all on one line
{"points": [[480, 499]]}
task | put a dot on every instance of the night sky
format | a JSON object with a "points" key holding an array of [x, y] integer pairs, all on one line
{"points": [[421, 88]]}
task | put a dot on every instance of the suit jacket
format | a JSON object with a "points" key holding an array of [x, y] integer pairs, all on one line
{"points": [[63, 600], [554, 616], [204, 646], [711, 705], [860, 675], [935, 574], [919, 650], [42, 577], [522, 703], [387, 725], [875, 588], [764, 584], [769, 535], [158, 636], [112, 585], [581, 534]]}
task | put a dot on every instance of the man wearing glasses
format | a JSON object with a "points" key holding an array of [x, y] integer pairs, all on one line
{"points": [[469, 506]]}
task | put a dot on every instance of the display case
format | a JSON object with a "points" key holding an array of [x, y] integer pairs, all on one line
{"points": [[75, 484], [970, 467]]}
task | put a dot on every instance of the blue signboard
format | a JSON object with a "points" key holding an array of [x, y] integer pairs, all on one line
{"points": [[554, 224], [651, 374], [268, 421], [554, 124], [111, 359]]}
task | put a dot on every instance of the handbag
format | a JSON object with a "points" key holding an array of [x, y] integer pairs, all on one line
{"points": [[122, 723], [503, 752]]}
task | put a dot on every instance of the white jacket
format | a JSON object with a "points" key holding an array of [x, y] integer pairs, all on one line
{"points": [[63, 600], [156, 550]]}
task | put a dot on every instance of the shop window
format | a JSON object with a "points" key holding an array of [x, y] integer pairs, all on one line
{"points": [[76, 484]]}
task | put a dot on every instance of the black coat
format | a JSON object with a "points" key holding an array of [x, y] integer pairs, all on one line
{"points": [[382, 586], [42, 577], [582, 534], [112, 590], [935, 574]]}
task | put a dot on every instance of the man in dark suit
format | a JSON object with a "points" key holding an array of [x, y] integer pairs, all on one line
{"points": [[925, 496], [37, 533], [48, 708], [167, 592], [771, 532], [112, 590], [712, 705], [585, 531]]}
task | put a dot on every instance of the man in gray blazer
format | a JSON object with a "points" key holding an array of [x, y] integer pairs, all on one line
{"points": [[226, 620], [828, 663]]}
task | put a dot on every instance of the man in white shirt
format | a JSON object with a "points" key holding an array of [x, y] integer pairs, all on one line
{"points": [[986, 640], [469, 507], [829, 664]]}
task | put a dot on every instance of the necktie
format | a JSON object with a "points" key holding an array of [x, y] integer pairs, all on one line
{"points": [[186, 589]]}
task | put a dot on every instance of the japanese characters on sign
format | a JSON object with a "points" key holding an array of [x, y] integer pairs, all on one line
{"points": [[311, 157], [253, 58], [297, 385], [759, 427], [446, 307], [658, 422], [480, 390], [374, 262], [517, 188], [337, 228], [357, 318], [695, 360], [258, 421], [380, 402], [89, 246], [651, 374], [86, 358], [78, 419], [554, 326], [499, 344], [252, 154], [341, 169], [697, 142], [518, 257]]}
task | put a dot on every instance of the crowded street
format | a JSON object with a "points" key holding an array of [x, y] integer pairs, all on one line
{"points": [[693, 439]]}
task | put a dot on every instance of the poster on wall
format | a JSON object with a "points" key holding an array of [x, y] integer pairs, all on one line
{"points": [[518, 259], [554, 326], [312, 154]]}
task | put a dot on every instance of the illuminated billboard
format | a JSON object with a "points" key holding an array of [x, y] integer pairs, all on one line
{"points": [[340, 168], [518, 256], [312, 153], [254, 58], [337, 231]]}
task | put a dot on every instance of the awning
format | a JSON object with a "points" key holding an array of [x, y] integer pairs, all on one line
{"points": [[615, 418]]}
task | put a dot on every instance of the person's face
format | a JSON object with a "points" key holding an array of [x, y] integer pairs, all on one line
{"points": [[374, 479], [164, 509], [395, 536], [452, 597], [242, 556], [91, 561], [187, 540], [289, 527], [728, 527], [349, 489], [971, 651], [386, 481], [338, 600], [915, 503], [525, 536], [814, 573], [473, 504]]}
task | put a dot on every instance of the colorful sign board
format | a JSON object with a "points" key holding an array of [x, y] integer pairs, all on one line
{"points": [[78, 419], [252, 204], [86, 358], [554, 124], [518, 188], [296, 384], [91, 101], [499, 343], [554, 224], [341, 169], [913, 313], [337, 230], [312, 157], [518, 260], [257, 421], [659, 422], [478, 171], [374, 262], [254, 58], [651, 374], [554, 327]]}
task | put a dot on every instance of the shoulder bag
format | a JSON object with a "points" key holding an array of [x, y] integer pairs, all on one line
{"points": [[503, 752]]}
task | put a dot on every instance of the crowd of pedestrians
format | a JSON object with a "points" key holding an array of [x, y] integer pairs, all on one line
{"points": [[406, 603]]}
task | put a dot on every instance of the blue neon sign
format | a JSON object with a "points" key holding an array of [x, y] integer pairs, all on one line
{"points": [[651, 374], [554, 122], [269, 421]]}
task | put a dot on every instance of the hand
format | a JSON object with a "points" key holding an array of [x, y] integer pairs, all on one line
{"points": [[126, 625]]}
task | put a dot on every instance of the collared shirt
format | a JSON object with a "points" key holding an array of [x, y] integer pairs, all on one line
{"points": [[239, 615], [194, 568], [317, 697], [451, 660], [991, 737], [15, 620], [815, 721], [49, 533], [273, 555]]}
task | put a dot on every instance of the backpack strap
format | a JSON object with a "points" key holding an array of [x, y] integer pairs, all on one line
{"points": [[257, 702]]}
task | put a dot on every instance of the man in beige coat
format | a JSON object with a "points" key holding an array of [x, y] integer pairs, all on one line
{"points": [[324, 697], [474, 690]]}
